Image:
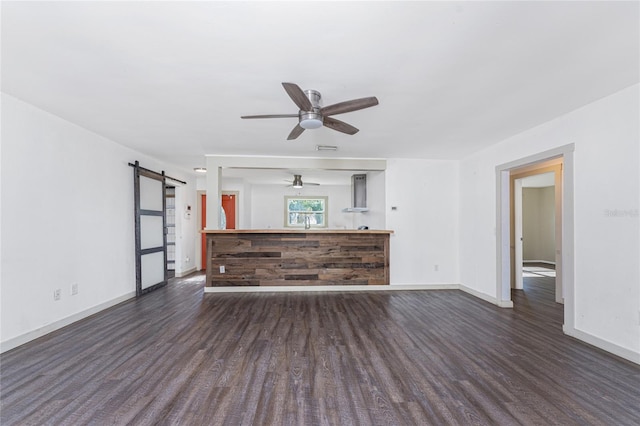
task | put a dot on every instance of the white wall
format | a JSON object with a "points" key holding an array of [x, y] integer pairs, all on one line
{"points": [[187, 235], [606, 223], [538, 224], [67, 218], [271, 200], [425, 220], [268, 204]]}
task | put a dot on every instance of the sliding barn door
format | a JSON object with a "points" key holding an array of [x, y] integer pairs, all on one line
{"points": [[151, 239]]}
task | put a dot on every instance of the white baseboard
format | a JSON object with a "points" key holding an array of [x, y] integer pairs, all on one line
{"points": [[393, 287], [186, 272], [32, 335], [605, 345], [486, 297]]}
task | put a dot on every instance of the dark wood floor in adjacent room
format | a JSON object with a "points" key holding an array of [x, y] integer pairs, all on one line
{"points": [[178, 356]]}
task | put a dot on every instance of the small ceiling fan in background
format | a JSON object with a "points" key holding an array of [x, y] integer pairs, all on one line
{"points": [[313, 115], [297, 182]]}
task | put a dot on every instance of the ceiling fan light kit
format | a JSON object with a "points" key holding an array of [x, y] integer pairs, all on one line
{"points": [[310, 120], [312, 115], [297, 182]]}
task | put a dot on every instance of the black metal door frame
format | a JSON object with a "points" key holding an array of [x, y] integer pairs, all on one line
{"points": [[139, 213]]}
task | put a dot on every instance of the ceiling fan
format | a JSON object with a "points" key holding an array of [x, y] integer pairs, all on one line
{"points": [[297, 182], [313, 115]]}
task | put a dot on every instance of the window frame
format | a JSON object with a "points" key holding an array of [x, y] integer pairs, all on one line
{"points": [[325, 212]]}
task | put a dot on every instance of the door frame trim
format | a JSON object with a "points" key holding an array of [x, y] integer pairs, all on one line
{"points": [[503, 230], [198, 256]]}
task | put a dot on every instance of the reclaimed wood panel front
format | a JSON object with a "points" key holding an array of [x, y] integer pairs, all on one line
{"points": [[297, 259]]}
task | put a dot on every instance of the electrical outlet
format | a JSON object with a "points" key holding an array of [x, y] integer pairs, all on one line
{"points": [[222, 271], [74, 289], [57, 293], [436, 268]]}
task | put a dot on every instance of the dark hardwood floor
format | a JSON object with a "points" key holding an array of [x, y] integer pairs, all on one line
{"points": [[178, 356]]}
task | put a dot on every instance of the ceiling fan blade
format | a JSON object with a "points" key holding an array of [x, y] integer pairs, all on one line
{"points": [[348, 106], [297, 131], [297, 96], [270, 116], [305, 184], [340, 126]]}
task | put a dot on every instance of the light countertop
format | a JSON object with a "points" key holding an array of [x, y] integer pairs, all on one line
{"points": [[296, 231]]}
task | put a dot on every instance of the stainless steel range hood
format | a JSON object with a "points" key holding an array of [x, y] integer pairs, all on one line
{"points": [[358, 194]]}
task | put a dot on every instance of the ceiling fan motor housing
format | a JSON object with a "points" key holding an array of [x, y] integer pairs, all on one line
{"points": [[314, 98], [312, 119]]}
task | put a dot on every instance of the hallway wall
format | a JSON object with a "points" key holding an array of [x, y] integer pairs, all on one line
{"points": [[538, 224]]}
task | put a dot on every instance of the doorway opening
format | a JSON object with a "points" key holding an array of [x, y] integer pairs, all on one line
{"points": [[229, 204], [536, 238], [536, 223], [560, 159]]}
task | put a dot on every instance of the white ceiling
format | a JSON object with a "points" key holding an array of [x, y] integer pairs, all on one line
{"points": [[171, 79]]}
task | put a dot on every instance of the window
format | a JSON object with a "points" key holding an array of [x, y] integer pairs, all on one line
{"points": [[301, 209]]}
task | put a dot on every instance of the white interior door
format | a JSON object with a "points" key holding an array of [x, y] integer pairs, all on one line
{"points": [[517, 210]]}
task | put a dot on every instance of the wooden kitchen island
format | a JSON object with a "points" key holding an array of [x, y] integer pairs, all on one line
{"points": [[284, 257]]}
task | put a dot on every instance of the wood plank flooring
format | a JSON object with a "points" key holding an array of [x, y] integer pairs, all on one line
{"points": [[178, 356]]}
